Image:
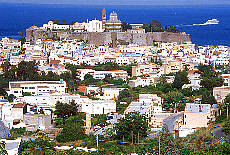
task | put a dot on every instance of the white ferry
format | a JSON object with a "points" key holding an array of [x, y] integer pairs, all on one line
{"points": [[213, 21]]}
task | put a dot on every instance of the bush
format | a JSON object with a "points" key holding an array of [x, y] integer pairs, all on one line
{"points": [[73, 130], [17, 132]]}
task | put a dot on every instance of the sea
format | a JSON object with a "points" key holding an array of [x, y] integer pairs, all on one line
{"points": [[17, 17]]}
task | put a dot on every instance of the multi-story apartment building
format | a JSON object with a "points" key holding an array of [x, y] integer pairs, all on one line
{"points": [[197, 115], [148, 105], [18, 88]]}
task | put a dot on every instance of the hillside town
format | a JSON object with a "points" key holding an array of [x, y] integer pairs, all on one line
{"points": [[48, 82]]}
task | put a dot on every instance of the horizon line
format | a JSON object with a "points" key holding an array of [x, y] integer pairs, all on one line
{"points": [[100, 4]]}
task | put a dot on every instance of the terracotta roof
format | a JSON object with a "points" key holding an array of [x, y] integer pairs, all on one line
{"points": [[83, 96], [19, 105], [54, 62]]}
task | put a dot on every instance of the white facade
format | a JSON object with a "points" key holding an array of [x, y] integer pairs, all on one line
{"points": [[79, 27], [143, 81], [99, 107], [117, 74], [94, 26], [52, 26], [17, 88], [85, 104], [148, 105], [196, 116], [110, 93], [11, 112]]}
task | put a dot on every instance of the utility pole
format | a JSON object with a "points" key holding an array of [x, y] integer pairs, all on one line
{"points": [[132, 136], [97, 140], [175, 108], [159, 145], [138, 137], [227, 109]]}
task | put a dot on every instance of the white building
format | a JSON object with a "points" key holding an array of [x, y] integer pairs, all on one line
{"points": [[143, 81], [195, 116], [148, 105], [94, 26], [53, 26], [11, 112], [17, 88], [117, 74], [79, 27], [98, 107], [110, 93], [220, 93]]}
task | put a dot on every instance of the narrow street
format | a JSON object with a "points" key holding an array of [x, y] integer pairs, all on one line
{"points": [[171, 121], [219, 135]]}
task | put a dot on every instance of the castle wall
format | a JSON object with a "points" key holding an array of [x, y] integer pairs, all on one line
{"points": [[101, 38]]}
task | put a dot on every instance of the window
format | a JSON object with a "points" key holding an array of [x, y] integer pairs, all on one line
{"points": [[15, 91]]}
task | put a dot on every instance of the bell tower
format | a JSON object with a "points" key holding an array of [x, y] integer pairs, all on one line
{"points": [[103, 18]]}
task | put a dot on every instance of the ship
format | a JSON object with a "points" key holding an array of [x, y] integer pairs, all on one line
{"points": [[213, 21]]}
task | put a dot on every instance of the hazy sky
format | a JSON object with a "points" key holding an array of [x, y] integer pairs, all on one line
{"points": [[124, 2]]}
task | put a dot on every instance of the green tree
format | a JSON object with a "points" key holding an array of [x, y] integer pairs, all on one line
{"points": [[22, 37], [226, 127], [172, 98], [51, 76], [37, 143], [210, 78], [168, 144], [64, 110], [207, 97], [73, 130], [125, 26], [2, 148], [227, 99], [125, 96], [132, 126], [89, 80], [211, 82], [153, 26], [181, 78], [9, 71], [11, 98], [171, 29], [206, 70], [27, 71]]}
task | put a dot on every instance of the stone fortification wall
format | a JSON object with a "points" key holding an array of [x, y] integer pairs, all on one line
{"points": [[101, 38]]}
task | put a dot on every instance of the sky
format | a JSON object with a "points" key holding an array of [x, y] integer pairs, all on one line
{"points": [[124, 2]]}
